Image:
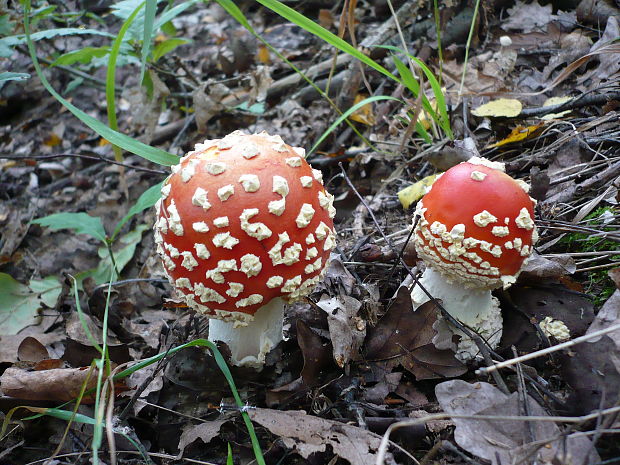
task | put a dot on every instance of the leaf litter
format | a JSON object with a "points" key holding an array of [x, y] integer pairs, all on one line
{"points": [[356, 359]]}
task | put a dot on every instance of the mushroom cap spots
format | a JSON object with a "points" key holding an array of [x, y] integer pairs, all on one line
{"points": [[243, 220], [463, 230]]}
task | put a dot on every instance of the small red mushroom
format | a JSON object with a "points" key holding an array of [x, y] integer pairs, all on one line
{"points": [[244, 225], [475, 231]]}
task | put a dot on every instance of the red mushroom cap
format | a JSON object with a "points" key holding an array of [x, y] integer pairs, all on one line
{"points": [[243, 220], [476, 225]]}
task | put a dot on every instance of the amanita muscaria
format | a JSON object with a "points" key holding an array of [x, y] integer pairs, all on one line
{"points": [[475, 230], [243, 227]]}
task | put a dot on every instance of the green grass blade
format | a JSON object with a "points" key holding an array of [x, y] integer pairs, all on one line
{"points": [[442, 119], [322, 33], [347, 113], [149, 19], [221, 363], [122, 140], [110, 82], [173, 13]]}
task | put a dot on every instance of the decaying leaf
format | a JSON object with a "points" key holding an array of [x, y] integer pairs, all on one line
{"points": [[317, 356], [203, 431], [555, 266], [537, 302], [307, 434], [404, 337], [346, 329], [60, 384], [508, 441]]}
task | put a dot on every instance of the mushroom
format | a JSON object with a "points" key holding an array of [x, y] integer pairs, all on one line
{"points": [[243, 227], [475, 231]]}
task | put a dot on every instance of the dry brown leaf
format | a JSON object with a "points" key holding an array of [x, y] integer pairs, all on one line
{"points": [[346, 329], [204, 431], [307, 434], [404, 337], [61, 384], [507, 441]]}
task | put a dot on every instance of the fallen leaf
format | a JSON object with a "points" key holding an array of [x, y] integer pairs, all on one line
{"points": [[592, 369], [20, 304], [556, 101], [508, 441], [346, 329], [317, 355], [364, 114], [519, 134], [60, 384], [31, 350], [204, 431], [416, 191], [528, 17], [501, 107], [307, 434], [404, 337], [553, 266], [535, 303]]}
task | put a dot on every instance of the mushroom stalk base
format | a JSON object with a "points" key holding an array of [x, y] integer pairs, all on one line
{"points": [[475, 308], [250, 344]]}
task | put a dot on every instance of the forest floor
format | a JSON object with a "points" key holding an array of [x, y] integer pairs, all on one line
{"points": [[356, 357]]}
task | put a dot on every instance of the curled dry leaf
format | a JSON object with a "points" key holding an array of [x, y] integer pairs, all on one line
{"points": [[556, 266], [346, 329], [404, 337], [508, 441], [317, 356], [307, 434], [60, 384], [204, 431], [31, 350]]}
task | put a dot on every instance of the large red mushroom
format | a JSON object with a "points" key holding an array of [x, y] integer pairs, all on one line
{"points": [[475, 230], [244, 226]]}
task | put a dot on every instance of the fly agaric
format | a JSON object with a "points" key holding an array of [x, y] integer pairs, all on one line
{"points": [[243, 227], [475, 231]]}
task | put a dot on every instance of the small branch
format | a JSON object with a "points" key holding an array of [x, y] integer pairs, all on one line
{"points": [[578, 102], [86, 157], [548, 350]]}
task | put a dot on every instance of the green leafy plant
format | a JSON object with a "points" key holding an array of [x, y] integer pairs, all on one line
{"points": [[82, 223], [600, 284]]}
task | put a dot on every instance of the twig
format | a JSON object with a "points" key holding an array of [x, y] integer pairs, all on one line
{"points": [[548, 350], [79, 155], [578, 102]]}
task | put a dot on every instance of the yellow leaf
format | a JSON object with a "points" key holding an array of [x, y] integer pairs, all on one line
{"points": [[555, 101], [263, 55], [416, 191], [518, 134], [424, 119], [52, 140], [364, 114], [499, 107]]}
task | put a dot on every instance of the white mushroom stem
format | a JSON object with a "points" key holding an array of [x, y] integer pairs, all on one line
{"points": [[474, 308], [250, 344]]}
